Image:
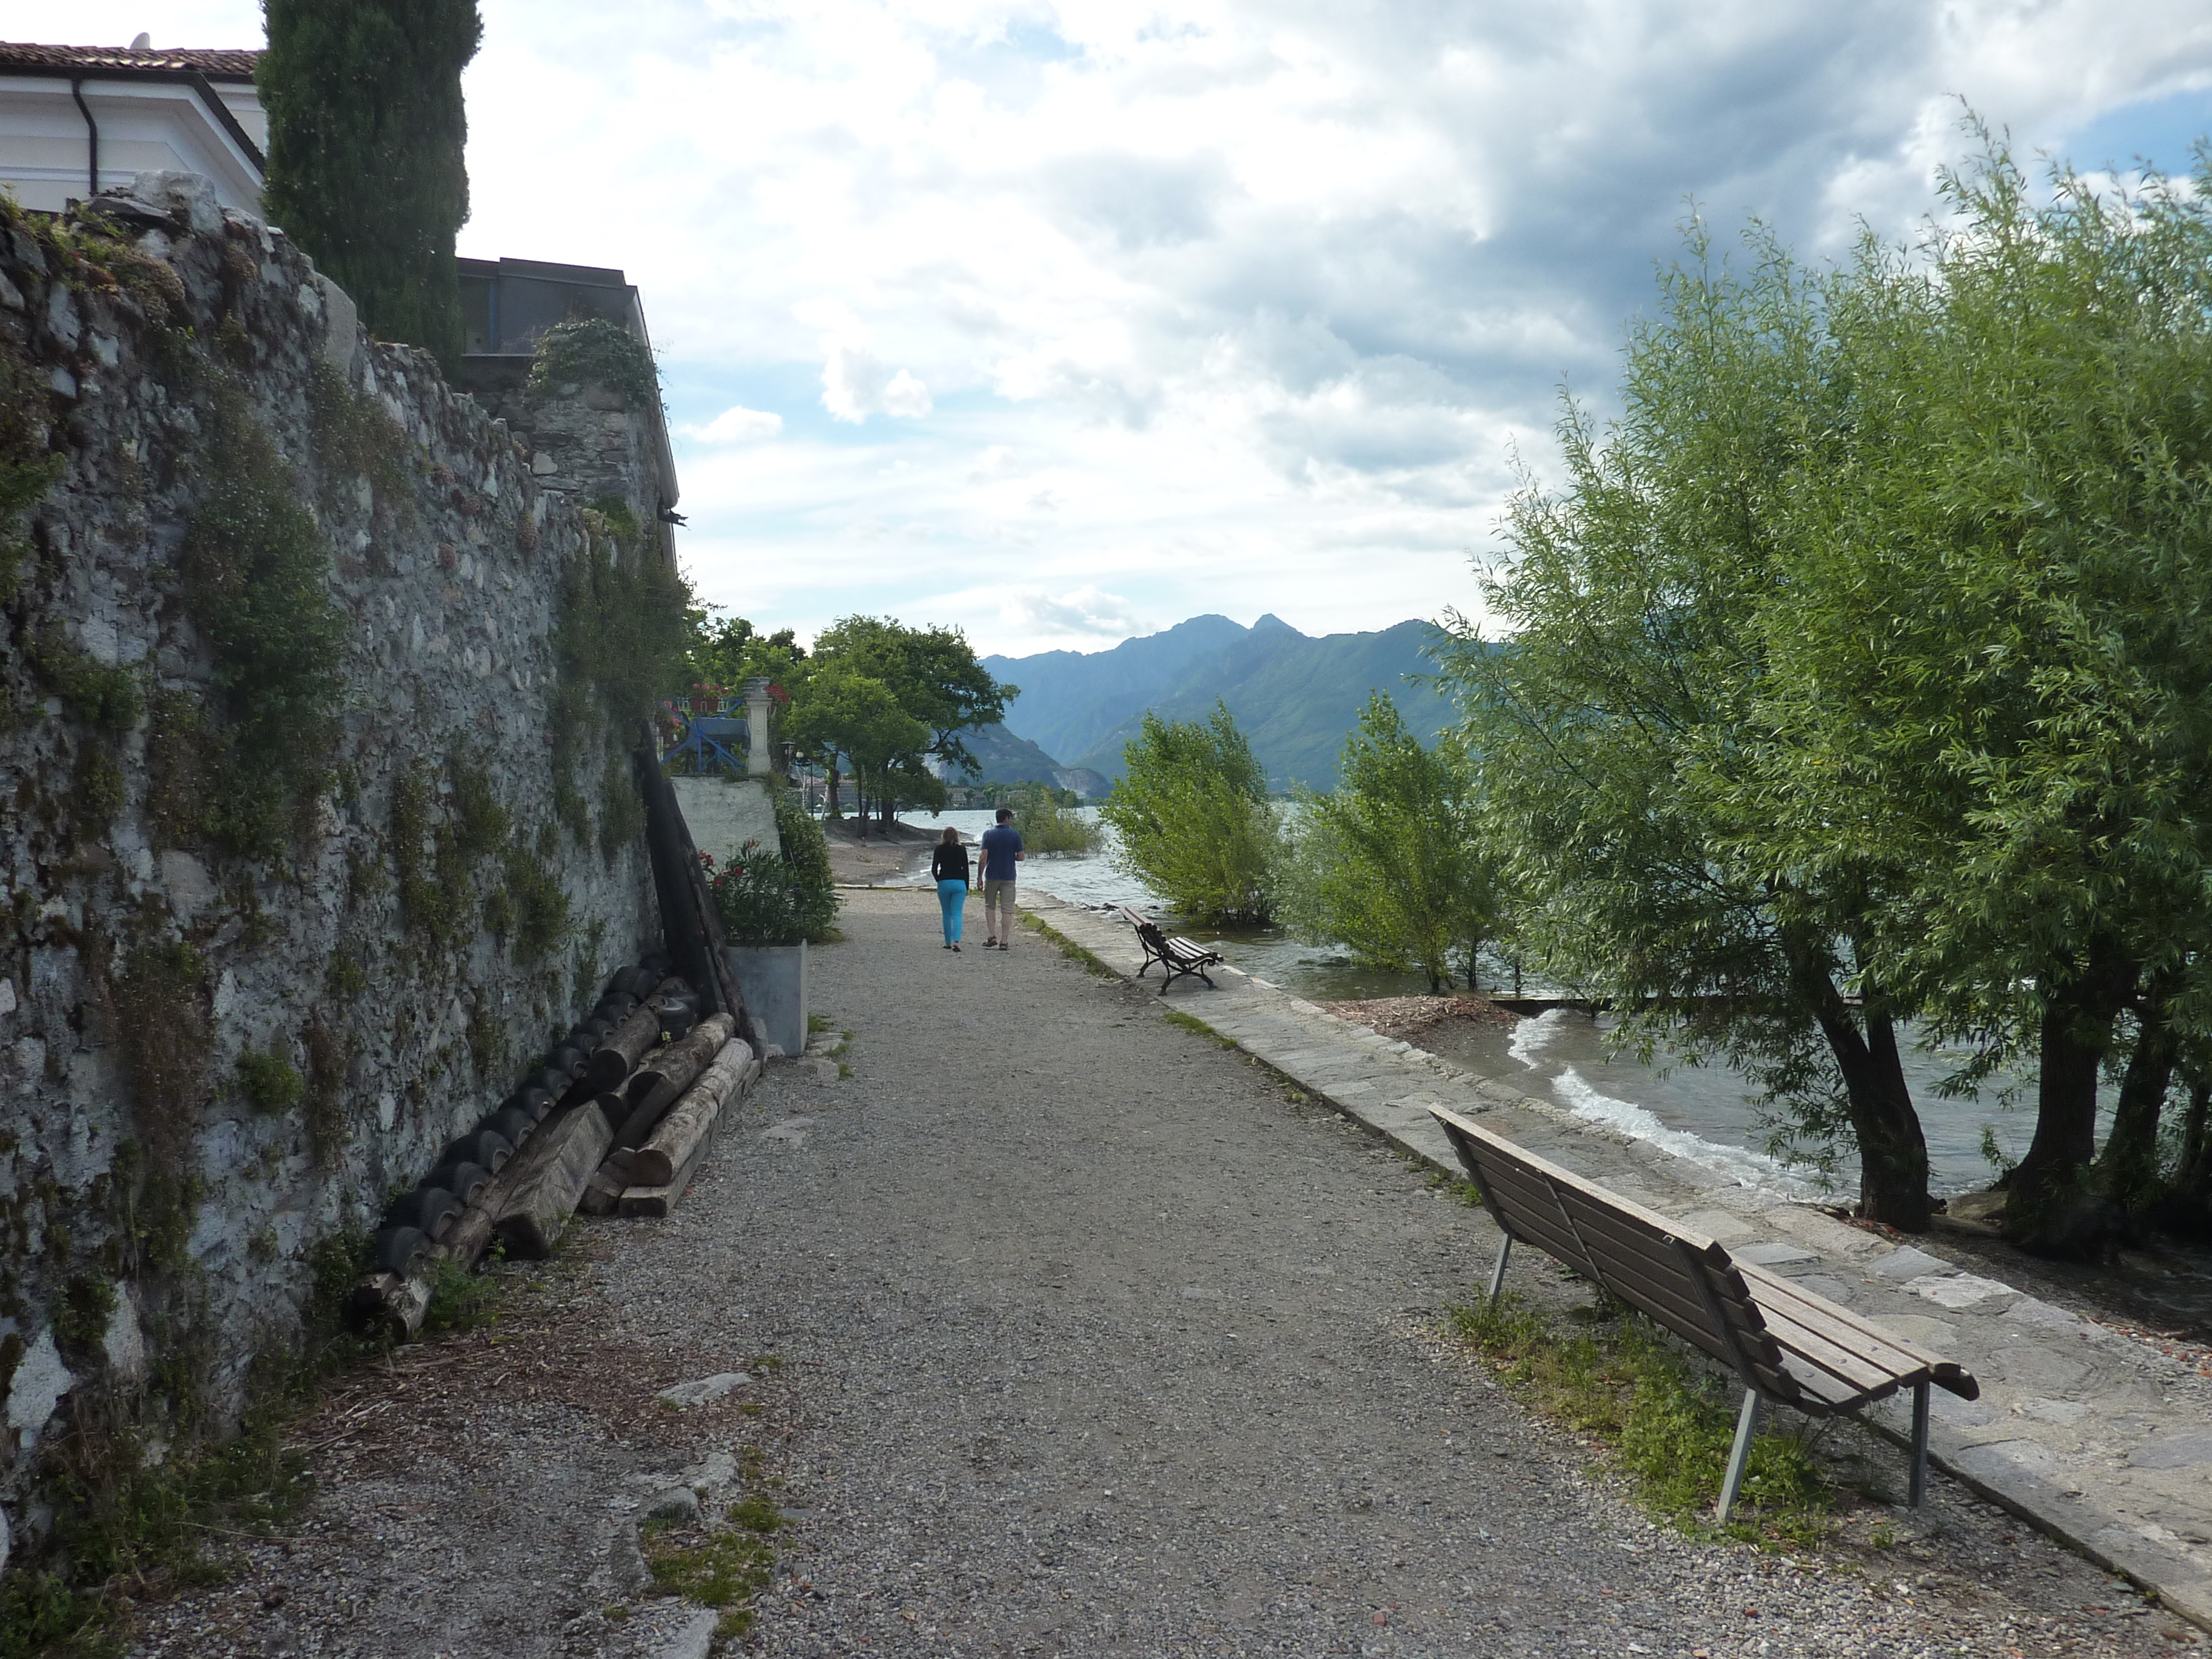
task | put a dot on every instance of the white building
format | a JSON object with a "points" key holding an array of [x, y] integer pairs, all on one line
{"points": [[75, 120]]}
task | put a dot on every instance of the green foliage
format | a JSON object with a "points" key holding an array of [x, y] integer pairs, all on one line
{"points": [[134, 1518], [366, 171], [620, 639], [28, 470], [257, 582], [459, 1300], [81, 1322], [1193, 821], [270, 1083], [425, 855], [846, 713], [1617, 726], [166, 1040], [726, 652], [540, 904], [355, 437], [1393, 863], [763, 898], [480, 823], [1046, 824], [805, 849], [880, 698], [329, 1055], [593, 352], [1617, 1380], [724, 1567], [106, 698]]}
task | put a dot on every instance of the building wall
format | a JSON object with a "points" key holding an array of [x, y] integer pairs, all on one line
{"points": [[162, 1201], [144, 126]]}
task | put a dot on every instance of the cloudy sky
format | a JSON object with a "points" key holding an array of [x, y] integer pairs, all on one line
{"points": [[1066, 321]]}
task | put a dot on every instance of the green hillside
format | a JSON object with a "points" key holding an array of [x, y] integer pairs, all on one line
{"points": [[1294, 696]]}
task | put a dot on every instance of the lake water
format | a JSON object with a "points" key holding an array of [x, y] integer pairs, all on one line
{"points": [[1704, 1113]]}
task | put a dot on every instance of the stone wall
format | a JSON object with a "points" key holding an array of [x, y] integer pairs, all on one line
{"points": [[301, 871]]}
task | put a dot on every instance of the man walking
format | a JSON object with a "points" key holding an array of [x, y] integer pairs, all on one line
{"points": [[1001, 848]]}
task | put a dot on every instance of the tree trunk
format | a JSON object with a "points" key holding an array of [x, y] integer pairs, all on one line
{"points": [[2128, 1168], [830, 807], [1892, 1151], [2051, 1211]]}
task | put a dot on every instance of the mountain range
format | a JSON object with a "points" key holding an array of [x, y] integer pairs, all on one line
{"points": [[1294, 696]]}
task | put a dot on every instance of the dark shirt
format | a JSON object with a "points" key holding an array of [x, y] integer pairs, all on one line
{"points": [[949, 862], [1000, 843]]}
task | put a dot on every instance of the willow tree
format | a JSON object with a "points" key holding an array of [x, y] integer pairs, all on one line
{"points": [[1614, 726], [1193, 820], [1393, 863], [366, 131], [1992, 666]]}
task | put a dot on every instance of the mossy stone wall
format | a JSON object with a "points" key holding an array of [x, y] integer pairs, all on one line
{"points": [[289, 888]]}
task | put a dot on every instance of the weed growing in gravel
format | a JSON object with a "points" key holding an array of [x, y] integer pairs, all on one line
{"points": [[1069, 948], [1192, 1022], [460, 1300], [135, 1521], [723, 1568], [1668, 1424]]}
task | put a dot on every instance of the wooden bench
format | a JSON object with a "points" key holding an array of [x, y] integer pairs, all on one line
{"points": [[1787, 1345], [1180, 956]]}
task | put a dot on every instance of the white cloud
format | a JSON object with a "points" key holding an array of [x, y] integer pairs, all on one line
{"points": [[855, 384], [1258, 295], [738, 425], [1088, 613]]}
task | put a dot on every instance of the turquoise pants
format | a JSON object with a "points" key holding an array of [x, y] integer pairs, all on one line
{"points": [[952, 897]]}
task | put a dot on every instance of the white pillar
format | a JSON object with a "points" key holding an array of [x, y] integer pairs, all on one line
{"points": [[757, 763]]}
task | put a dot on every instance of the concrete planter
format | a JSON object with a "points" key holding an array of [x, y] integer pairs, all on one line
{"points": [[772, 980]]}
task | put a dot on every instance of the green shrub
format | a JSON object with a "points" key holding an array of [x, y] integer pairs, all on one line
{"points": [[1193, 819], [760, 898], [269, 1081], [1046, 824], [1616, 1379]]}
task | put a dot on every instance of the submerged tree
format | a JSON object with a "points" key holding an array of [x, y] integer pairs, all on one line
{"points": [[1393, 864], [1193, 819], [366, 131]]}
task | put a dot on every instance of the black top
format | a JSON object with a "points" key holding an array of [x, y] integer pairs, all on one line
{"points": [[949, 862]]}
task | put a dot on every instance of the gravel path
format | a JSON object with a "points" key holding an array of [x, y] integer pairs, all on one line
{"points": [[1070, 1333]]}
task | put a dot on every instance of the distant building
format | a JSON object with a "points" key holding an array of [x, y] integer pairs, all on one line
{"points": [[76, 119], [507, 305]]}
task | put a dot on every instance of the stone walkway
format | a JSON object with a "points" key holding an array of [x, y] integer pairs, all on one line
{"points": [[2095, 1437]]}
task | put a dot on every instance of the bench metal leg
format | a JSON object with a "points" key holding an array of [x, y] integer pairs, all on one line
{"points": [[1498, 1274], [1747, 1424], [1919, 1488]]}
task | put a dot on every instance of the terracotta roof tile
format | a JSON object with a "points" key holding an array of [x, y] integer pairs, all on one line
{"points": [[215, 65]]}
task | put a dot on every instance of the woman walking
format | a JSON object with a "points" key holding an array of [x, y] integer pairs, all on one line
{"points": [[948, 864]]}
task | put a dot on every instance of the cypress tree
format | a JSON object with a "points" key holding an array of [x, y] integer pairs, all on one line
{"points": [[366, 129]]}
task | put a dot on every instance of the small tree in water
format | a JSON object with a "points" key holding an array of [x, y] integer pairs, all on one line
{"points": [[1193, 819], [1392, 864]]}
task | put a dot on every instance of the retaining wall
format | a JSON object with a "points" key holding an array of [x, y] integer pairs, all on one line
{"points": [[313, 826]]}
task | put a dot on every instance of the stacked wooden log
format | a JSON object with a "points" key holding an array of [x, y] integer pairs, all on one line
{"points": [[615, 1120]]}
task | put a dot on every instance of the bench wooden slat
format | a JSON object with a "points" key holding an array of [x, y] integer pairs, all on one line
{"points": [[1840, 1362]]}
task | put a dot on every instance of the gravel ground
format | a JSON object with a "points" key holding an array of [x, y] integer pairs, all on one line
{"points": [[1067, 1331]]}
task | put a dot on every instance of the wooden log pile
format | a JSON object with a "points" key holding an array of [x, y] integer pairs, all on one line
{"points": [[617, 1120]]}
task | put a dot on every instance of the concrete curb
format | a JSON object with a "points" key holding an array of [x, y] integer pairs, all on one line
{"points": [[2113, 1514]]}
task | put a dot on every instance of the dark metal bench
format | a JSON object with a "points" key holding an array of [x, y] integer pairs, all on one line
{"points": [[1180, 956], [1787, 1345]]}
